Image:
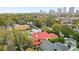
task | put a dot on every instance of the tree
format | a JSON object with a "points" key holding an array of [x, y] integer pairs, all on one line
{"points": [[37, 22], [20, 20], [4, 38], [1, 47], [9, 22], [76, 37], [77, 44], [48, 22], [56, 28], [47, 29], [76, 23], [22, 40], [67, 31], [2, 22]]}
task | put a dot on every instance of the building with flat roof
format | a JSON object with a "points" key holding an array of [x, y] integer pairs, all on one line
{"points": [[21, 27]]}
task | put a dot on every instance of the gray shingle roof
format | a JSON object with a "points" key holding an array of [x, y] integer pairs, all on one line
{"points": [[48, 46]]}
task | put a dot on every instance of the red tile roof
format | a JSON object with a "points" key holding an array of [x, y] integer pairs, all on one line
{"points": [[36, 43], [52, 35], [42, 36], [39, 35]]}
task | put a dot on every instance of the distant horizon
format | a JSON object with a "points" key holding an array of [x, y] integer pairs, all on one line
{"points": [[30, 9]]}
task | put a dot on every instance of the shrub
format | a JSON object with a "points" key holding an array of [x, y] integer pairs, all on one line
{"points": [[59, 39], [67, 31], [1, 47], [76, 36], [29, 49], [77, 44], [47, 29]]}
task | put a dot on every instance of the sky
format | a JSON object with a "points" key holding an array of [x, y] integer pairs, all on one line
{"points": [[27, 9], [24, 9]]}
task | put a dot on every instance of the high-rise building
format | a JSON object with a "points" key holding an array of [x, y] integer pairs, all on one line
{"points": [[41, 11], [59, 10], [64, 9], [51, 11], [71, 10], [77, 11]]}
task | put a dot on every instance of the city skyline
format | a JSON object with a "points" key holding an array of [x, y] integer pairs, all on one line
{"points": [[32, 9]]}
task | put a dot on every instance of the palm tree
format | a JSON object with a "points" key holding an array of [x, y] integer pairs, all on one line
{"points": [[21, 39], [4, 37]]}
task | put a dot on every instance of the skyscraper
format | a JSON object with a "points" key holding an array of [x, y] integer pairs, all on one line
{"points": [[77, 11], [71, 10], [59, 10], [41, 11], [51, 11], [64, 9]]}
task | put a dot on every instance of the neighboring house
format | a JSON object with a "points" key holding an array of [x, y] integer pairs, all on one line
{"points": [[67, 20], [48, 46], [74, 49], [40, 36], [21, 27], [70, 43]]}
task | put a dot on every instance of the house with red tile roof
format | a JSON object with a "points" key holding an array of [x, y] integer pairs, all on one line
{"points": [[37, 42], [40, 36]]}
